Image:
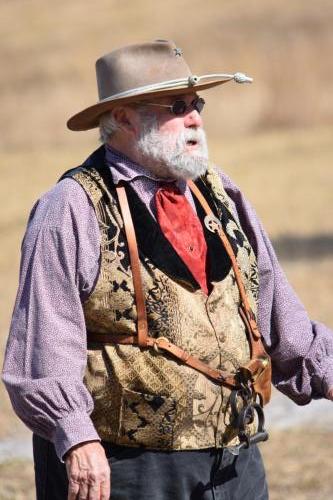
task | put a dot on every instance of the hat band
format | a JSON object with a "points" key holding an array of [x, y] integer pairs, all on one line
{"points": [[189, 81]]}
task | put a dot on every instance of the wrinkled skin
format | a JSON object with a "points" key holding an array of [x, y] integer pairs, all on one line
{"points": [[88, 472]]}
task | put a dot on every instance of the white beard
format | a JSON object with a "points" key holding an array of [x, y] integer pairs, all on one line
{"points": [[165, 155]]}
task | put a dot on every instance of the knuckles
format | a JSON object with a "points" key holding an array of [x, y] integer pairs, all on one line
{"points": [[74, 477], [90, 477], [99, 476]]}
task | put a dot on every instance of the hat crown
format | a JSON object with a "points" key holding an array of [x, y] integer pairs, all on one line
{"points": [[141, 71], [138, 65]]}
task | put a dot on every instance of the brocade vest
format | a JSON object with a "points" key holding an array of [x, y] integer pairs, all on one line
{"points": [[143, 397]]}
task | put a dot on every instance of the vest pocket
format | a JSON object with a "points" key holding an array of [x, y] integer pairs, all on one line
{"points": [[147, 420]]}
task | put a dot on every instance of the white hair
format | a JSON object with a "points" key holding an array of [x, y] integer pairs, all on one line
{"points": [[108, 126], [165, 154]]}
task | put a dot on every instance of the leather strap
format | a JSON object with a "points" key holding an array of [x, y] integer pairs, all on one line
{"points": [[135, 265], [245, 310], [163, 344], [253, 369]]}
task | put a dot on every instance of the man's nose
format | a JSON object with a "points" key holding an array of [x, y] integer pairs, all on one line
{"points": [[193, 119]]}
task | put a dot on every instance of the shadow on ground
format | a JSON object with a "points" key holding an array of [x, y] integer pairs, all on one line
{"points": [[294, 248]]}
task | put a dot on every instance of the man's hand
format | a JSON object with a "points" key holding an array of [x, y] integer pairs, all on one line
{"points": [[330, 394], [88, 472]]}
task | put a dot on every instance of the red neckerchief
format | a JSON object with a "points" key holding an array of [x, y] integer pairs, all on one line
{"points": [[182, 228]]}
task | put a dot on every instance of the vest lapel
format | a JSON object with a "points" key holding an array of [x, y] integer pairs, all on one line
{"points": [[152, 243]]}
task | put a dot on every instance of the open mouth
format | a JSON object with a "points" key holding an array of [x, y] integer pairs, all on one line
{"points": [[191, 143]]}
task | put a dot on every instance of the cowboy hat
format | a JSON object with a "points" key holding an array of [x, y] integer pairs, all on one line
{"points": [[135, 72]]}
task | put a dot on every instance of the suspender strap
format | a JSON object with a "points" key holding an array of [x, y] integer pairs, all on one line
{"points": [[161, 344], [135, 265], [258, 361], [244, 309]]}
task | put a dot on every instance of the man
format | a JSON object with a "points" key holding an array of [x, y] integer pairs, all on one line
{"points": [[166, 279]]}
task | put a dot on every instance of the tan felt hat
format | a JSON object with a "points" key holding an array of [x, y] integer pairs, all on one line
{"points": [[135, 72]]}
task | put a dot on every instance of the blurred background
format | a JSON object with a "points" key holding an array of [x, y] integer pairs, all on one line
{"points": [[274, 138]]}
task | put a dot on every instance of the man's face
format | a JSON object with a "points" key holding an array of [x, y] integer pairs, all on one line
{"points": [[172, 124], [170, 145]]}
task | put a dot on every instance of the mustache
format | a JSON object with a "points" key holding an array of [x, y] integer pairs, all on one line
{"points": [[167, 154], [196, 136]]}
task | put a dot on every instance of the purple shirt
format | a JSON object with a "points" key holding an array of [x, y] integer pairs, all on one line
{"points": [[145, 183], [47, 346]]}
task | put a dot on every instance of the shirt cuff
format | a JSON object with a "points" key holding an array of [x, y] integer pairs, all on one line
{"points": [[71, 430], [327, 382]]}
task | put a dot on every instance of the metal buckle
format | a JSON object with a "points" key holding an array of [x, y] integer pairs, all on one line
{"points": [[264, 364], [156, 342], [246, 374]]}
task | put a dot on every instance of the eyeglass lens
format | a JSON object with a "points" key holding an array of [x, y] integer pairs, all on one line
{"points": [[180, 107]]}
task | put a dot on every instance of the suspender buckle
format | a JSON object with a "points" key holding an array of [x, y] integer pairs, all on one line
{"points": [[157, 342]]}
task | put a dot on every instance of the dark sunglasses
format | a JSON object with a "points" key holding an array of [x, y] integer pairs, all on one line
{"points": [[180, 107]]}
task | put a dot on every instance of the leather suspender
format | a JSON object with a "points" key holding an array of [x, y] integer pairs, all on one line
{"points": [[245, 309], [252, 371], [135, 265]]}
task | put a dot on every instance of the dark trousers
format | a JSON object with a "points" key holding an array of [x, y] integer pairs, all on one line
{"points": [[153, 475]]}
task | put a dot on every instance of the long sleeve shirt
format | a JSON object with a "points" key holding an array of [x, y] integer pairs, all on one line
{"points": [[47, 346]]}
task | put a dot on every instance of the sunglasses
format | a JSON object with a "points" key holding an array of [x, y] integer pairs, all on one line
{"points": [[180, 107]]}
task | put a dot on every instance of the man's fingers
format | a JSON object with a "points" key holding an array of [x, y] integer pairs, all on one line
{"points": [[73, 489], [84, 488], [105, 490], [88, 472], [81, 489], [94, 492]]}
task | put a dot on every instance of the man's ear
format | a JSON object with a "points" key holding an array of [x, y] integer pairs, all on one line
{"points": [[124, 116]]}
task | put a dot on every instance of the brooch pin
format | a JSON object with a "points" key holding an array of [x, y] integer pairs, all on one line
{"points": [[212, 223]]}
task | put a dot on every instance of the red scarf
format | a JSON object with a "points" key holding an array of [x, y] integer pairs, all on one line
{"points": [[182, 228]]}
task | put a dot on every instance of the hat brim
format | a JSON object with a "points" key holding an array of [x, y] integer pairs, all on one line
{"points": [[89, 117]]}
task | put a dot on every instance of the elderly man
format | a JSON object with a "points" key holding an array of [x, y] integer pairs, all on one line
{"points": [[149, 298]]}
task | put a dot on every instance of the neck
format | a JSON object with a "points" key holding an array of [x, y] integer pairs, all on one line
{"points": [[126, 148], [133, 154]]}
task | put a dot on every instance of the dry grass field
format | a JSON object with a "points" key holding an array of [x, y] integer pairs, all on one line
{"points": [[298, 468], [273, 138], [48, 51]]}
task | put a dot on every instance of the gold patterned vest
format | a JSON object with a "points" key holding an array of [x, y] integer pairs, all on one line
{"points": [[142, 397]]}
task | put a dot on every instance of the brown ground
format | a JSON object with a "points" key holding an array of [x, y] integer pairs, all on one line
{"points": [[17, 480], [299, 465]]}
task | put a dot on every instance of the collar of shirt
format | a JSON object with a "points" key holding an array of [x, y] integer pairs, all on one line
{"points": [[144, 183]]}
